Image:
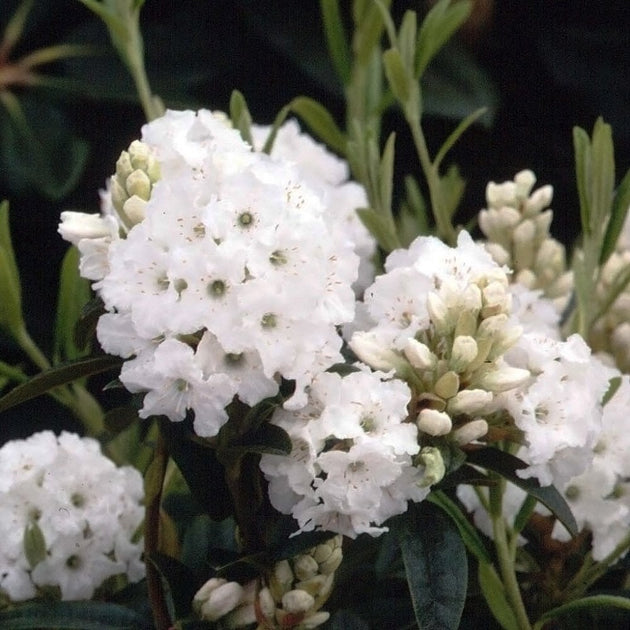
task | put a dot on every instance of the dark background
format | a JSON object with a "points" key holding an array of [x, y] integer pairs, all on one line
{"points": [[542, 66]]}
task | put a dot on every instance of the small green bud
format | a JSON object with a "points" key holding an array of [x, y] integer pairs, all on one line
{"points": [[34, 544], [434, 468]]}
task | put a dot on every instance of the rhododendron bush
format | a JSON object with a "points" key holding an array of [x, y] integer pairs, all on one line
{"points": [[349, 409]]}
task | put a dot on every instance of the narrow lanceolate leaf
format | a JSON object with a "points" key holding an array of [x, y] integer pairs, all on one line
{"points": [[437, 28], [56, 376], [240, 116], [320, 121], [494, 594], [74, 294], [435, 563], [336, 39], [586, 603], [582, 151], [507, 466], [396, 74], [620, 206], [10, 292]]}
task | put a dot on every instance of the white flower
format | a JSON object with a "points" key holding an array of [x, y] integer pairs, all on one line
{"points": [[351, 467], [86, 509], [234, 254]]}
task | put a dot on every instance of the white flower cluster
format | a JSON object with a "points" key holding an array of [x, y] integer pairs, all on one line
{"points": [[351, 467], [68, 517], [231, 273]]}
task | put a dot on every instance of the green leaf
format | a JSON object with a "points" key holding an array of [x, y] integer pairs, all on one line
{"points": [[83, 615], [336, 39], [436, 565], [201, 540], [368, 32], [380, 228], [85, 328], [507, 466], [59, 375], [320, 121], [240, 116], [456, 134], [346, 620], [451, 190], [37, 149], [620, 205], [10, 292], [582, 151], [395, 71], [495, 596], [74, 293], [34, 544], [386, 174], [437, 28], [586, 603], [467, 531], [119, 418], [407, 35], [602, 182], [267, 438]]}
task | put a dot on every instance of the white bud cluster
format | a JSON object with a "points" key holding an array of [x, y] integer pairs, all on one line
{"points": [[69, 517], [516, 225], [446, 333]]}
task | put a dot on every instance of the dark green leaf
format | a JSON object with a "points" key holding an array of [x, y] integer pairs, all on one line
{"points": [[396, 73], [85, 328], [320, 122], [582, 150], [59, 375], [345, 620], [200, 468], [181, 583], [467, 531], [435, 563], [507, 466], [119, 418], [613, 386], [494, 594], [86, 615], [267, 438], [205, 541], [620, 205], [74, 293], [586, 603], [10, 291]]}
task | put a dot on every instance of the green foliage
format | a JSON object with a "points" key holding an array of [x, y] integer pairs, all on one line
{"points": [[11, 302], [435, 564], [494, 593]]}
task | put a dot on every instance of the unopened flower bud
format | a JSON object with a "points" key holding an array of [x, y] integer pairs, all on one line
{"points": [[305, 567], [434, 422], [134, 209], [282, 577], [266, 603], [438, 311], [469, 401], [539, 199], [216, 598], [434, 468], [315, 620], [371, 351], [331, 564], [447, 385], [524, 247], [498, 195], [471, 431], [297, 601], [75, 226], [419, 355], [524, 181], [463, 353], [503, 378]]}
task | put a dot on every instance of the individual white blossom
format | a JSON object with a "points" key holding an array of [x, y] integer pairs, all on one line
{"points": [[226, 272], [86, 509]]}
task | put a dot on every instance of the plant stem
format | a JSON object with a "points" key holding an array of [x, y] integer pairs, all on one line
{"points": [[154, 480], [506, 561]]}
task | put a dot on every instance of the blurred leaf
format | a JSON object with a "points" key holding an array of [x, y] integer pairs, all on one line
{"points": [[345, 620], [202, 538], [338, 47], [507, 466], [240, 116], [467, 531], [267, 438], [451, 190], [85, 327], [320, 122], [435, 563], [200, 468], [82, 615], [380, 228], [61, 374], [494, 594], [368, 31], [34, 544], [181, 583], [437, 28], [119, 418], [396, 73], [10, 291], [37, 147], [454, 86], [620, 206], [585, 604], [74, 293]]}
